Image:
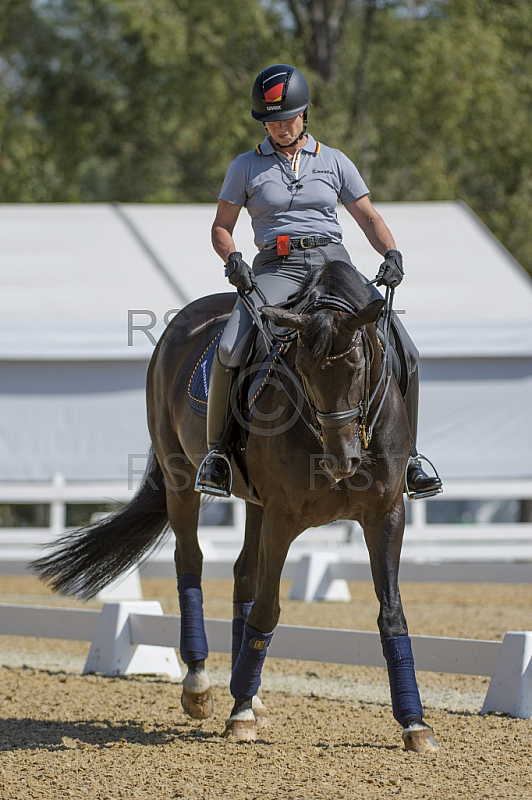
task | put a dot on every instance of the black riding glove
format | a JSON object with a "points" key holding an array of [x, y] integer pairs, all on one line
{"points": [[391, 270], [239, 273]]}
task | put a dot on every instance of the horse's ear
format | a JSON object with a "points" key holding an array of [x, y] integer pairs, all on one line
{"points": [[365, 316], [283, 318]]}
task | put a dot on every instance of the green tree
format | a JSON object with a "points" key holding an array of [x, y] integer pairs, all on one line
{"points": [[444, 109], [125, 99], [149, 101], [26, 164]]}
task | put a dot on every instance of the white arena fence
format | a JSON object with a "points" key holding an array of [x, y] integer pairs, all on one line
{"points": [[322, 559], [57, 493], [137, 638]]}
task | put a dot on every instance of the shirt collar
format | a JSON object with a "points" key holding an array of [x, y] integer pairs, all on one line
{"points": [[266, 148]]}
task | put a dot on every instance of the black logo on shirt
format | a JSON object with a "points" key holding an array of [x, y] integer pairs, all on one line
{"points": [[324, 171]]}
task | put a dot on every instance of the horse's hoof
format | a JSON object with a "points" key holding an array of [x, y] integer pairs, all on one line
{"points": [[261, 713], [198, 705], [242, 726], [420, 739]]}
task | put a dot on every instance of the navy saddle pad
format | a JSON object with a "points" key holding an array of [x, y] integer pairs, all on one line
{"points": [[198, 385]]}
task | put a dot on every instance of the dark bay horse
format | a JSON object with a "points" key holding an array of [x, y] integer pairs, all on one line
{"points": [[292, 480]]}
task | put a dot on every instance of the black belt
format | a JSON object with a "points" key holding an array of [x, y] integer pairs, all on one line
{"points": [[306, 242]]}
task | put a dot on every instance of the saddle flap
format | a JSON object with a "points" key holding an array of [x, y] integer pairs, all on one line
{"points": [[262, 377], [198, 385], [396, 355]]}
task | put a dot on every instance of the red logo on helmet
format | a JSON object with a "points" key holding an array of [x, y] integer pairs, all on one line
{"points": [[275, 94]]}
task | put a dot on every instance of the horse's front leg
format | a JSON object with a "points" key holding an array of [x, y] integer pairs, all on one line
{"points": [[384, 538], [245, 589], [183, 511], [255, 631]]}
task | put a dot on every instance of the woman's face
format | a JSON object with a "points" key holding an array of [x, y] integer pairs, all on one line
{"points": [[287, 130]]}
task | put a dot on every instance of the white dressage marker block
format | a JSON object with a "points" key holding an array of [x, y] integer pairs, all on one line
{"points": [[126, 587], [113, 652], [314, 579], [510, 689]]}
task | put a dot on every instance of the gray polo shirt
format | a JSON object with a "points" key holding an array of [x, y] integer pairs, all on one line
{"points": [[300, 200]]}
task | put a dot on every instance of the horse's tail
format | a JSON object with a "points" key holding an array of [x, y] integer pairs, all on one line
{"points": [[83, 561]]}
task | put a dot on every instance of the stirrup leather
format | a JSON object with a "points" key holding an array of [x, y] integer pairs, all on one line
{"points": [[199, 487], [411, 495]]}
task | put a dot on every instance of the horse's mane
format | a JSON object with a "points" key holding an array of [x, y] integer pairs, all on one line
{"points": [[337, 279]]}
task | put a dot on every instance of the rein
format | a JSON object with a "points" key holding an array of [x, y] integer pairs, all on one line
{"points": [[269, 339], [337, 419]]}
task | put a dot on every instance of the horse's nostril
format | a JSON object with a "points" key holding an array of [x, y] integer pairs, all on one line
{"points": [[349, 466], [328, 464]]}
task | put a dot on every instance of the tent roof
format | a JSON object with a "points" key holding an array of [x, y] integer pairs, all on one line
{"points": [[71, 273]]}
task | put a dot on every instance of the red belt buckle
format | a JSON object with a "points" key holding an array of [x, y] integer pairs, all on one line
{"points": [[283, 245]]}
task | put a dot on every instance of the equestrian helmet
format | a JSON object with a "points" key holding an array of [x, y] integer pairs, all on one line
{"points": [[280, 92]]}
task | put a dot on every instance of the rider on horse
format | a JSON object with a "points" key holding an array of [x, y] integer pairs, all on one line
{"points": [[290, 185]]}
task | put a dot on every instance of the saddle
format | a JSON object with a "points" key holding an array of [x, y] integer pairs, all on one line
{"points": [[397, 354], [251, 388], [198, 385]]}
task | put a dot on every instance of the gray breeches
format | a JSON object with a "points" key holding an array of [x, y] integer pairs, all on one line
{"points": [[278, 278]]}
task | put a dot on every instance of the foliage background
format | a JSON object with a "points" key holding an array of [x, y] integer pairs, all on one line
{"points": [[148, 100]]}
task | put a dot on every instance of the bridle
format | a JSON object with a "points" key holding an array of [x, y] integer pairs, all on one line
{"points": [[338, 419]]}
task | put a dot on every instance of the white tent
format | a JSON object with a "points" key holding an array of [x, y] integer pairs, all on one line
{"points": [[85, 290]]}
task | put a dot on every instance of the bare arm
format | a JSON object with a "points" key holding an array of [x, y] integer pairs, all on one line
{"points": [[373, 225], [223, 227]]}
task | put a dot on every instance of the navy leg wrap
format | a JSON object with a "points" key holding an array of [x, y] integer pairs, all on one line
{"points": [[406, 702], [241, 612], [245, 680], [193, 645]]}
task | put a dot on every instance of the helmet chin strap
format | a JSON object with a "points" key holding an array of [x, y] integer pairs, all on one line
{"points": [[301, 135], [284, 146]]}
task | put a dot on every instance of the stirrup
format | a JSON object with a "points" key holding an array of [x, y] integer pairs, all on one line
{"points": [[198, 487], [417, 495]]}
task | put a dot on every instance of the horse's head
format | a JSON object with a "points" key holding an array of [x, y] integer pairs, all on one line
{"points": [[333, 357]]}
